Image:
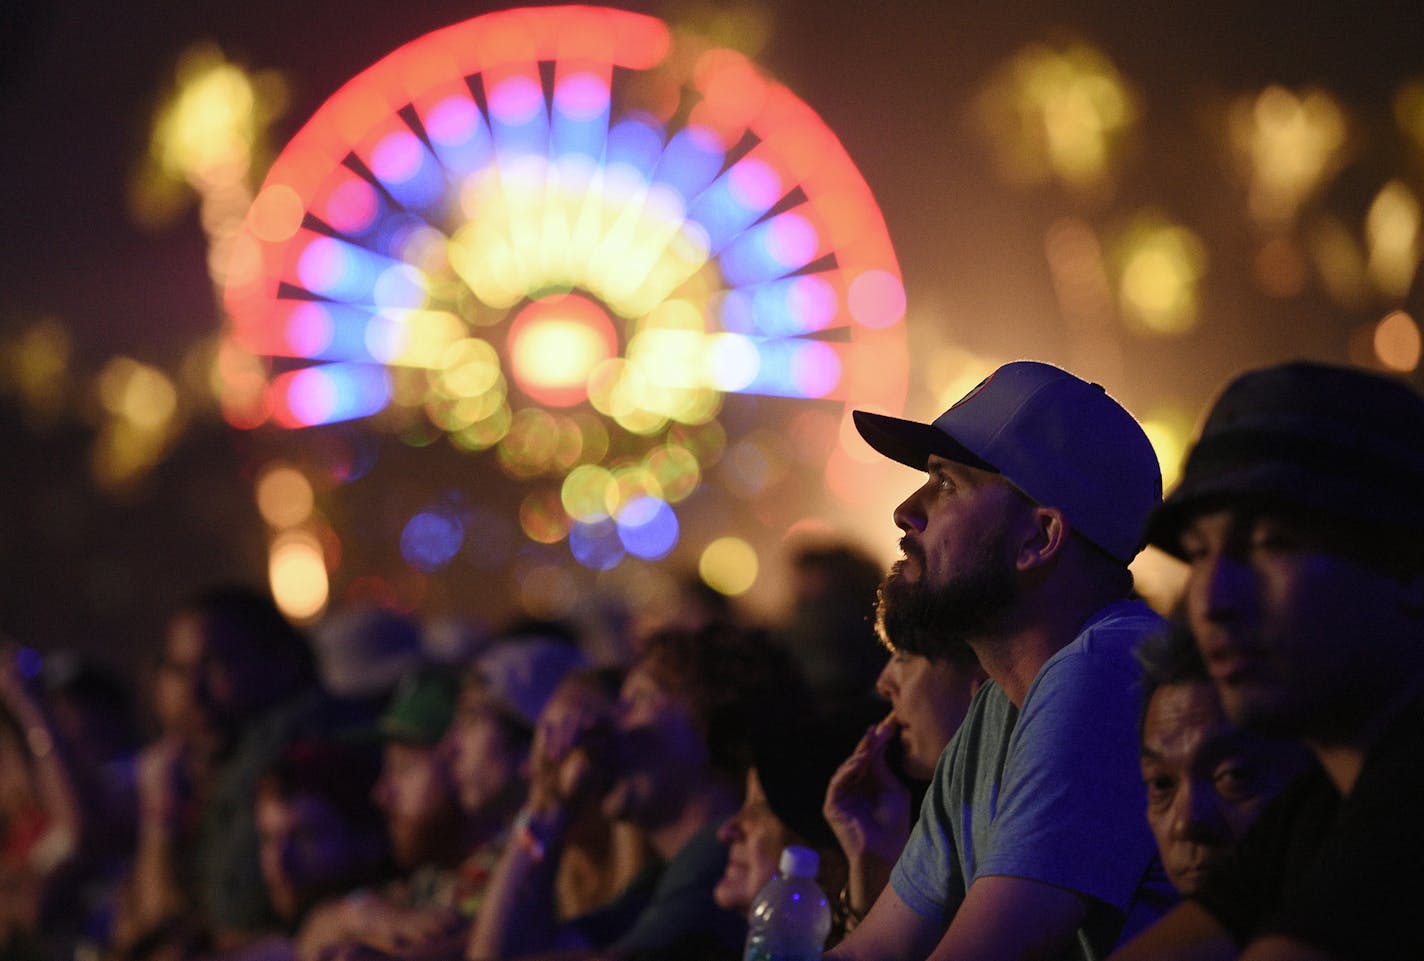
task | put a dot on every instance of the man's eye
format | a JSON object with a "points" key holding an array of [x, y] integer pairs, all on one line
{"points": [[1233, 782], [1160, 788]]}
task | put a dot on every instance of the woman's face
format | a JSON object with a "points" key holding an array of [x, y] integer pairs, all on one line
{"points": [[755, 838]]}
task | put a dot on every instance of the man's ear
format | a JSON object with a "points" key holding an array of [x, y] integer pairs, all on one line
{"points": [[1047, 537]]}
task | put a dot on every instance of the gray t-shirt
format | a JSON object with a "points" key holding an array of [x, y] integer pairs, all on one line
{"points": [[1052, 793]]}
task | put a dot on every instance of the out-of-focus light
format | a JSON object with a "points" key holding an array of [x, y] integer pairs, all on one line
{"points": [[877, 299], [596, 545], [1290, 145], [648, 528], [728, 565], [1161, 266], [284, 496], [330, 393], [431, 539], [296, 571], [1340, 262], [542, 517], [529, 447], [1397, 341], [555, 343], [36, 367], [142, 395], [1392, 227], [585, 493], [1168, 430], [1057, 113]]}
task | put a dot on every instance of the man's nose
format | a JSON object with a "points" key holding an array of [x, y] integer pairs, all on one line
{"points": [[1196, 815], [910, 515]]}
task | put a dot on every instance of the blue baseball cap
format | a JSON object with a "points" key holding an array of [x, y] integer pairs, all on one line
{"points": [[1061, 440]]}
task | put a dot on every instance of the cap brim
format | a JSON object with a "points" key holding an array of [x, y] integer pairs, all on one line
{"points": [[911, 443]]}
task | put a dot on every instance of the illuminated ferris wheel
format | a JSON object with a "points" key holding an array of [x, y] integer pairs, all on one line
{"points": [[570, 238]]}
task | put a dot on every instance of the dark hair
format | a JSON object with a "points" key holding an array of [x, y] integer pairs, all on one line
{"points": [[736, 680], [342, 775], [264, 634], [1169, 656]]}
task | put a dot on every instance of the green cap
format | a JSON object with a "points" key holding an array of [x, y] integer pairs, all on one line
{"points": [[422, 707]]}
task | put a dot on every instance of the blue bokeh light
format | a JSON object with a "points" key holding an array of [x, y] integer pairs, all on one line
{"points": [[596, 545], [431, 539], [648, 528]]}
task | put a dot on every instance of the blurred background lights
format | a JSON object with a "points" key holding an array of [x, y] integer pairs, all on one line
{"points": [[431, 539], [284, 496], [728, 565], [296, 571], [1290, 144], [1397, 341], [1392, 227], [555, 343], [1057, 114], [648, 528], [1161, 265]]}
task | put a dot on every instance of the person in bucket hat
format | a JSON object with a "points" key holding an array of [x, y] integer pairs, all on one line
{"points": [[1300, 515], [1031, 842]]}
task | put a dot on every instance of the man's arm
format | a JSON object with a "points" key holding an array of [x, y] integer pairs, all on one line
{"points": [[1186, 933], [1012, 919], [892, 931]]}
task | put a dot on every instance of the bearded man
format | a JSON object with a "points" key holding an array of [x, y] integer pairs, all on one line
{"points": [[1031, 841]]}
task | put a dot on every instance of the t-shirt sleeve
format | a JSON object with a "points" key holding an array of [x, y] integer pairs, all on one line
{"points": [[927, 876], [1070, 810]]}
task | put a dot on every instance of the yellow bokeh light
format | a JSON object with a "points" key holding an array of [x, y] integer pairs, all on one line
{"points": [[468, 368], [36, 367], [1161, 265], [1392, 227], [1290, 144], [587, 491], [528, 448], [284, 496], [729, 566], [1340, 262], [142, 395], [1397, 341], [1168, 430], [1057, 113], [296, 570]]}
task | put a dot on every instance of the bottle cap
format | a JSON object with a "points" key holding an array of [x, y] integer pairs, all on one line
{"points": [[799, 862]]}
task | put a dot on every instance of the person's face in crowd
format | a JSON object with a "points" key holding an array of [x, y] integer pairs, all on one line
{"points": [[1299, 639], [755, 838], [306, 850], [1207, 780], [957, 578], [195, 694], [930, 699], [661, 751], [416, 795], [486, 763]]}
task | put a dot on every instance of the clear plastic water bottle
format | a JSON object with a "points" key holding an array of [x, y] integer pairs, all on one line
{"points": [[790, 917]]}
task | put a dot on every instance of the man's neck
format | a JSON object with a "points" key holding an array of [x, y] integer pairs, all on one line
{"points": [[711, 805], [1013, 657]]}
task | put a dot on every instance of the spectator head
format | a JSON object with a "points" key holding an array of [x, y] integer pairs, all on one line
{"points": [[499, 704], [689, 711], [1036, 478], [1299, 513], [786, 788], [1207, 780], [228, 656], [930, 698], [415, 790], [318, 833], [362, 652], [830, 626]]}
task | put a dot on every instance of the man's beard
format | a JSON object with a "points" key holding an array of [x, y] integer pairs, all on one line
{"points": [[934, 622]]}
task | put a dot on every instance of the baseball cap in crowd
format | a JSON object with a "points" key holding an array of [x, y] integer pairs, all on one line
{"points": [[362, 652], [422, 706], [1061, 440], [1339, 443], [521, 672]]}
